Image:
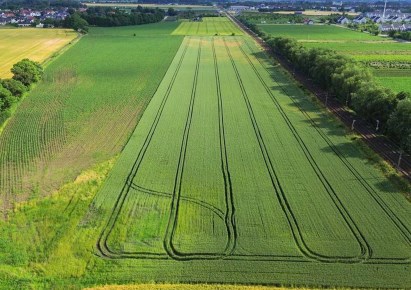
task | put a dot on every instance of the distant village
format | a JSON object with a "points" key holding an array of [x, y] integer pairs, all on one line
{"points": [[29, 17], [386, 20]]}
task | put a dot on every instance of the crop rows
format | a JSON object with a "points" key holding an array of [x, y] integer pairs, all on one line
{"points": [[48, 140], [225, 168], [208, 26]]}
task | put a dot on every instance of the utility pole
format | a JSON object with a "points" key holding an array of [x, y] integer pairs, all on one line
{"points": [[399, 159], [383, 13], [352, 125]]}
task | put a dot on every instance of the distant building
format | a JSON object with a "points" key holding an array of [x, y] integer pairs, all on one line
{"points": [[24, 24], [393, 19], [360, 19], [343, 20], [394, 26], [239, 8], [308, 22], [376, 19]]}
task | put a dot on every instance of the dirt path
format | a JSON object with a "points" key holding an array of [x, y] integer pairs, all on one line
{"points": [[377, 142]]}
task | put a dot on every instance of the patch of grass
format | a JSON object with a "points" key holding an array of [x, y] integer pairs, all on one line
{"points": [[37, 238]]}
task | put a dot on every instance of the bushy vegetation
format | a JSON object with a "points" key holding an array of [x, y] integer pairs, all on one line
{"points": [[25, 73], [406, 35]]}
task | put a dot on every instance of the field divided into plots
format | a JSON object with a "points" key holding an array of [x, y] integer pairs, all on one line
{"points": [[232, 175], [376, 51], [208, 26]]}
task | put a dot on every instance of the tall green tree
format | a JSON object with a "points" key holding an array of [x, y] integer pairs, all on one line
{"points": [[16, 87], [6, 99], [399, 124], [27, 72]]}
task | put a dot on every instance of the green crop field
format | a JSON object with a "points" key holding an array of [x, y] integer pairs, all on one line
{"points": [[361, 46], [231, 176], [85, 108], [208, 26], [315, 32]]}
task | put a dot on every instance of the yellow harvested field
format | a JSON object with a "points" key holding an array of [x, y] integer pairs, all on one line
{"points": [[37, 44]]}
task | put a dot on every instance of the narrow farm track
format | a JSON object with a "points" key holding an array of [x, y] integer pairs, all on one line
{"points": [[238, 53]]}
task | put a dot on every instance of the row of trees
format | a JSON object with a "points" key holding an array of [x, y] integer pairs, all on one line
{"points": [[25, 73], [351, 83], [406, 35], [107, 16]]}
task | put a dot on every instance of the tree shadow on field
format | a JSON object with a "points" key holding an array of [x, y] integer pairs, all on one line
{"points": [[347, 150]]}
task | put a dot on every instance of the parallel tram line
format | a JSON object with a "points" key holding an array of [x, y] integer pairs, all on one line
{"points": [[398, 223], [102, 244], [295, 228]]}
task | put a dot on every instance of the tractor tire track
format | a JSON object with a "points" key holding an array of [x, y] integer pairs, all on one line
{"points": [[102, 246], [295, 228], [405, 232], [173, 220]]}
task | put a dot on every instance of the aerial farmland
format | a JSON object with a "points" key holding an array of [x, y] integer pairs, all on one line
{"points": [[182, 155]]}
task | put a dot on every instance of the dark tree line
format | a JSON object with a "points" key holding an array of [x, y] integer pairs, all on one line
{"points": [[107, 16], [351, 83], [25, 73], [406, 35]]}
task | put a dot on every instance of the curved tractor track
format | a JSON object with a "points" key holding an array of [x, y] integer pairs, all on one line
{"points": [[228, 215]]}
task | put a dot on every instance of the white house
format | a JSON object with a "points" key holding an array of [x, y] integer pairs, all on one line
{"points": [[343, 20], [360, 19]]}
